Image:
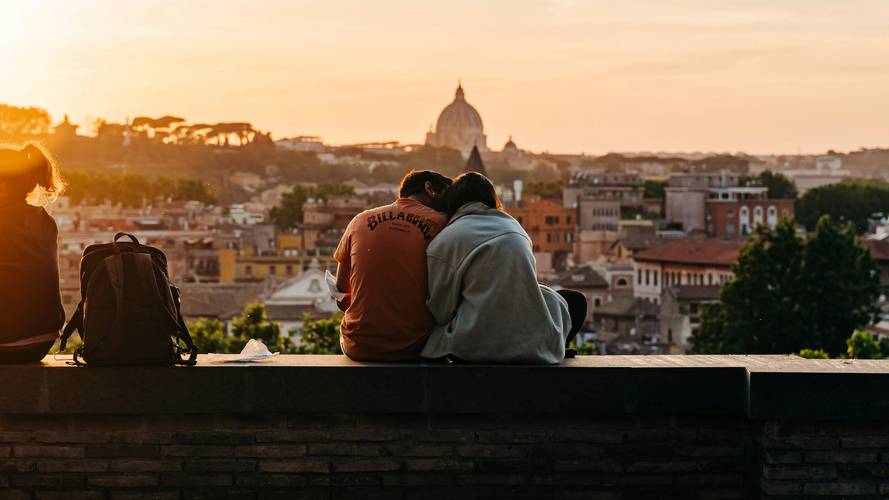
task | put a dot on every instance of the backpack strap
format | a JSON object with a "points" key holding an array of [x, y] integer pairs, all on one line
{"points": [[184, 335], [75, 323], [190, 346]]}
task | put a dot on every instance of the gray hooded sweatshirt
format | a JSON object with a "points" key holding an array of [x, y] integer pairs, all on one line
{"points": [[484, 295]]}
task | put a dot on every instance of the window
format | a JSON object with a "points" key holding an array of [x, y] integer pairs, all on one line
{"points": [[639, 276], [655, 277], [568, 219], [772, 217], [551, 219], [289, 270], [647, 276], [621, 282], [670, 335], [710, 278], [273, 270], [597, 301], [248, 270]]}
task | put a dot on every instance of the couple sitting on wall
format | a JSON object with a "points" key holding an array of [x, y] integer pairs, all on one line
{"points": [[483, 304], [444, 273]]}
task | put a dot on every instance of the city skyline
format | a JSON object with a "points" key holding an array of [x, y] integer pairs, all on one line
{"points": [[561, 76]]}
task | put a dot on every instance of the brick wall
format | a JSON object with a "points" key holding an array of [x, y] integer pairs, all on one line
{"points": [[825, 459], [371, 456]]}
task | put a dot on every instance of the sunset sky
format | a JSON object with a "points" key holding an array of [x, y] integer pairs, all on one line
{"points": [[560, 75]]}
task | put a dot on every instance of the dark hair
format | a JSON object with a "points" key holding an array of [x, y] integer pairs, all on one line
{"points": [[415, 182], [29, 173], [470, 187]]}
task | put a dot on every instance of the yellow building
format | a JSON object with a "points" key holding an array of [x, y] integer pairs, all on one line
{"points": [[288, 260]]}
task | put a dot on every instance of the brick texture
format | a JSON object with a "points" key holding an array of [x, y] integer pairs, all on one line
{"points": [[426, 456], [828, 460]]}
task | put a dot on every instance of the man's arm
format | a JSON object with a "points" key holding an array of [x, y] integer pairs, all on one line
{"points": [[342, 284]]}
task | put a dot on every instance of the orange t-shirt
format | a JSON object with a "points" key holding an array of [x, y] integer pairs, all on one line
{"points": [[385, 247]]}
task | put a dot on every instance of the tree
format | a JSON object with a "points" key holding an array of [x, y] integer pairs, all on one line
{"points": [[209, 336], [710, 337], [848, 201], [655, 189], [813, 354], [790, 294], [320, 336], [780, 187], [842, 284], [21, 124], [863, 345], [254, 324], [289, 212]]}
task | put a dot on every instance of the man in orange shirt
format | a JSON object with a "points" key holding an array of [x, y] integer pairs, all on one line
{"points": [[382, 268]]}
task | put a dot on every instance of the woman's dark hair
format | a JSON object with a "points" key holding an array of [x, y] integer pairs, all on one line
{"points": [[28, 174], [415, 182], [470, 187]]}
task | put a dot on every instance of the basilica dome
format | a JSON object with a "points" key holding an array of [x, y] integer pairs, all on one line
{"points": [[459, 115], [459, 126]]}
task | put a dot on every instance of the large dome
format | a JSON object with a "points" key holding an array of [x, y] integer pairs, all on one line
{"points": [[459, 115], [459, 126]]}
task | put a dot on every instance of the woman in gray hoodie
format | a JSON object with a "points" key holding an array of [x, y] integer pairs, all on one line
{"points": [[483, 289]]}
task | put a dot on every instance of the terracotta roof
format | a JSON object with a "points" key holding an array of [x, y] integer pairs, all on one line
{"points": [[879, 249], [580, 277], [696, 292], [634, 243], [214, 300], [700, 252], [628, 307]]}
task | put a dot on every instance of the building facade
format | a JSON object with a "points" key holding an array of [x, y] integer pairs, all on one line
{"points": [[550, 225], [683, 262]]}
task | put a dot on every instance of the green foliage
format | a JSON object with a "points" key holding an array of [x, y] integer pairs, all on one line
{"points": [[655, 189], [544, 189], [848, 201], [813, 354], [254, 324], [780, 187], [22, 124], [132, 190], [790, 294], [289, 213], [209, 336], [320, 336], [587, 349], [710, 337], [864, 345]]}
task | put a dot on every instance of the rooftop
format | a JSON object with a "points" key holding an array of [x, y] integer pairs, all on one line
{"points": [[695, 252]]}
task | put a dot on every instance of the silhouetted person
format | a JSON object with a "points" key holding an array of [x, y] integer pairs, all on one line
{"points": [[30, 302], [483, 288]]}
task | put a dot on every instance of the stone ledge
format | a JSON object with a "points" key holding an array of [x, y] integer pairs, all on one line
{"points": [[756, 387]]}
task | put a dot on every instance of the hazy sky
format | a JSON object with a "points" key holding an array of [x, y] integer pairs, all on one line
{"points": [[559, 75]]}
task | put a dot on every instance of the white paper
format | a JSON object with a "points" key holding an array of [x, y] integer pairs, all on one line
{"points": [[331, 287], [255, 350]]}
